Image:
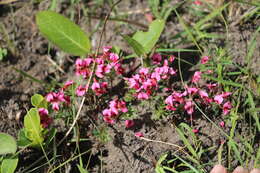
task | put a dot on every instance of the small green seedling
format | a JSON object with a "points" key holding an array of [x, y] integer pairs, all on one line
{"points": [[3, 53]]}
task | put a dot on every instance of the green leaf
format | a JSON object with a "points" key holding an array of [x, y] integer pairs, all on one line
{"points": [[33, 129], [39, 101], [63, 33], [210, 16], [36, 99], [22, 139], [149, 39], [7, 144], [82, 170], [9, 165], [253, 106], [137, 47]]}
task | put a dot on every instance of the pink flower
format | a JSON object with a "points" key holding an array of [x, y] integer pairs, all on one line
{"points": [[169, 102], [129, 123], [203, 94], [204, 59], [45, 119], [99, 88], [68, 84], [172, 58], [55, 99], [222, 124], [113, 57], [209, 71], [115, 108], [110, 112], [178, 97], [142, 96], [67, 100], [100, 61], [211, 87], [189, 107], [197, 2], [43, 111], [144, 71], [102, 69], [80, 91], [218, 99], [139, 134], [226, 94], [195, 131], [196, 77], [106, 49], [226, 108], [109, 120], [82, 66], [192, 90], [122, 106], [118, 68], [157, 58]]}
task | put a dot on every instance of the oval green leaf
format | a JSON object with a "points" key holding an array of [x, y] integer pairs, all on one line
{"points": [[36, 99], [137, 47], [63, 33], [9, 165], [7, 144], [32, 126], [148, 39]]}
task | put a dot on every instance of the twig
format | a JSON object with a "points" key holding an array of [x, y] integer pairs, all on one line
{"points": [[122, 20], [74, 122], [55, 64]]}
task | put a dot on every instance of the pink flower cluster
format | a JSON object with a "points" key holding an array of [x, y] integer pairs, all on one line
{"points": [[115, 108], [104, 65], [146, 81], [205, 95]]}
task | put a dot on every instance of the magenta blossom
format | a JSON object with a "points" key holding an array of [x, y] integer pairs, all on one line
{"points": [[196, 77], [157, 58], [43, 111], [171, 58], [99, 88], [55, 99], [139, 134], [197, 2], [82, 67], [113, 57], [189, 107], [129, 123], [195, 131], [211, 87], [68, 84], [219, 98], [226, 108], [106, 49], [222, 124], [102, 69], [45, 119], [115, 108], [109, 120], [80, 91], [204, 60], [192, 90]]}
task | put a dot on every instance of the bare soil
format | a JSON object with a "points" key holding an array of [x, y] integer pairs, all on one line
{"points": [[28, 51]]}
